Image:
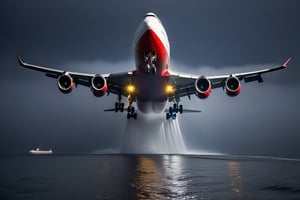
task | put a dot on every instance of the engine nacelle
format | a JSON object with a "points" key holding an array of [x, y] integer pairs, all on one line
{"points": [[65, 83], [203, 87], [233, 86], [99, 85]]}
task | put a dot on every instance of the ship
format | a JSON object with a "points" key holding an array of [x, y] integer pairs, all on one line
{"points": [[38, 151]]}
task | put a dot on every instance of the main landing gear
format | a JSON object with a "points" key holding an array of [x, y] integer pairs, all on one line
{"points": [[118, 105], [130, 109], [173, 111], [131, 113]]}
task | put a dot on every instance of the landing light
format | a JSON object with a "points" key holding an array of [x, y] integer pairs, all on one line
{"points": [[169, 89], [130, 88]]}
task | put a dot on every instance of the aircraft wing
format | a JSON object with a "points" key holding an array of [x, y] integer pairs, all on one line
{"points": [[185, 84], [116, 82]]}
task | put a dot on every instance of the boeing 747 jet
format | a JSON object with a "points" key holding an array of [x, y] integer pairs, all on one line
{"points": [[152, 84]]}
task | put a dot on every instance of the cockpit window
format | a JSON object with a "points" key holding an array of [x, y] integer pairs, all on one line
{"points": [[150, 15]]}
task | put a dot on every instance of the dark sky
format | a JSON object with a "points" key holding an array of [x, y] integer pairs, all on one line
{"points": [[206, 37]]}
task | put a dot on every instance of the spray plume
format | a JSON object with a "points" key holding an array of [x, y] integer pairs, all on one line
{"points": [[153, 134]]}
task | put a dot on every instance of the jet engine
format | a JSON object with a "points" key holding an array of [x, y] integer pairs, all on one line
{"points": [[203, 87], [99, 86], [233, 86], [65, 83]]}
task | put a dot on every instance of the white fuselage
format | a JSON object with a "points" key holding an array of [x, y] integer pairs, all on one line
{"points": [[152, 58]]}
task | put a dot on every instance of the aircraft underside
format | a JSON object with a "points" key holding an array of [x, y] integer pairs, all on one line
{"points": [[150, 96]]}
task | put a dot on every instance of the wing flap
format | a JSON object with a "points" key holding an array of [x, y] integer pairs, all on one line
{"points": [[253, 78]]}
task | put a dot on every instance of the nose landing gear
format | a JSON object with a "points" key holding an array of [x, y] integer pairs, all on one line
{"points": [[150, 60]]}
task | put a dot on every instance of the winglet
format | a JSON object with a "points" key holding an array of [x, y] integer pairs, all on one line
{"points": [[287, 62], [20, 60]]}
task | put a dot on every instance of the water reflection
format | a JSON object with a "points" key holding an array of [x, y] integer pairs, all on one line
{"points": [[160, 178], [177, 179], [236, 184], [169, 177], [147, 180]]}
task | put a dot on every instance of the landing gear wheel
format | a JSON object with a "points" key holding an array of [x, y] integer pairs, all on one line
{"points": [[173, 110], [122, 107], [170, 110], [174, 116], [116, 107], [131, 113], [119, 107], [130, 109], [175, 107], [147, 68], [153, 70], [168, 116], [180, 109]]}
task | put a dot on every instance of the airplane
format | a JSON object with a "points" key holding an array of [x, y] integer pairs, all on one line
{"points": [[152, 84]]}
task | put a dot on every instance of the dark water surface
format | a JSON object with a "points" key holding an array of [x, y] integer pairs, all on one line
{"points": [[148, 177]]}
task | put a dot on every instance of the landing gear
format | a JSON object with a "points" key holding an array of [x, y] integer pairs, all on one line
{"points": [[131, 110], [153, 69], [131, 113], [180, 109], [170, 116], [173, 111], [118, 105], [150, 60]]}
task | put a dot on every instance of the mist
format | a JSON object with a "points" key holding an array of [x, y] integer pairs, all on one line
{"points": [[153, 134]]}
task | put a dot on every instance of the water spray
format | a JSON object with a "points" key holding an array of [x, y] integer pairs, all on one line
{"points": [[153, 134]]}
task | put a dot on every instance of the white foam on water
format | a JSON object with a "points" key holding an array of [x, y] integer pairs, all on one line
{"points": [[153, 134]]}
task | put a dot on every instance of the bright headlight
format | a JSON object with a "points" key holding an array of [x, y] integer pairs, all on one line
{"points": [[169, 89], [130, 88]]}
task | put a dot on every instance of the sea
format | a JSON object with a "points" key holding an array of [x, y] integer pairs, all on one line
{"points": [[146, 176]]}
